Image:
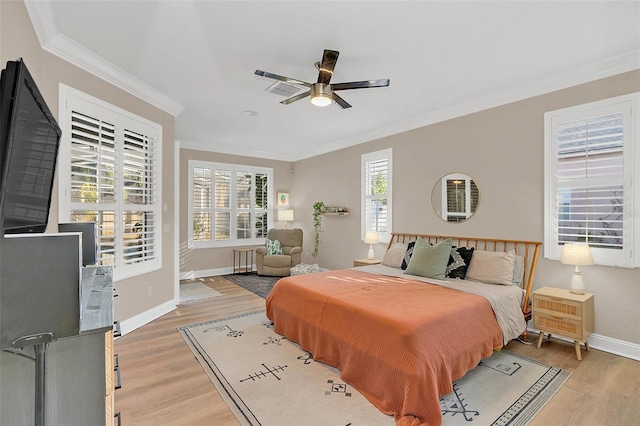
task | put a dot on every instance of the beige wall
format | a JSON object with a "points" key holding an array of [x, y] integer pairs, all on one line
{"points": [[503, 149], [18, 39], [194, 262]]}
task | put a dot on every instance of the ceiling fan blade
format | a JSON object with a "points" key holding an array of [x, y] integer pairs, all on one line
{"points": [[360, 84], [281, 78], [329, 59], [296, 97], [341, 102]]}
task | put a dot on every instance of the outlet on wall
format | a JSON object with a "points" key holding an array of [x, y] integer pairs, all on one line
{"points": [[149, 291]]}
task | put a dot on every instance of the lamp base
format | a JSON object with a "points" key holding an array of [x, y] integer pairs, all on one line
{"points": [[371, 254], [577, 284]]}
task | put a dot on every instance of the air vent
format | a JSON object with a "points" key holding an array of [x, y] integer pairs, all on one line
{"points": [[283, 89]]}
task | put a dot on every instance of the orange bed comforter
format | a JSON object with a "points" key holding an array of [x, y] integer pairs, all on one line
{"points": [[401, 343]]}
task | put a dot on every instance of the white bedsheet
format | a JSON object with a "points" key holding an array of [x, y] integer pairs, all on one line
{"points": [[506, 300]]}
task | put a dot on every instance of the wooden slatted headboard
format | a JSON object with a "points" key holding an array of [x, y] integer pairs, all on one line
{"points": [[529, 250]]}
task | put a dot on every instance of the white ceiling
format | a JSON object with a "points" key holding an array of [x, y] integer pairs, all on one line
{"points": [[196, 60]]}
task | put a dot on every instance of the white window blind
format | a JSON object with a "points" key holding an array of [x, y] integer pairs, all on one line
{"points": [[590, 166], [376, 193], [110, 174], [238, 213]]}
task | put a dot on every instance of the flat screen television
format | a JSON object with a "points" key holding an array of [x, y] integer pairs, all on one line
{"points": [[29, 141]]}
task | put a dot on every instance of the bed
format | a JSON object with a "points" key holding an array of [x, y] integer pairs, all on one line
{"points": [[401, 336]]}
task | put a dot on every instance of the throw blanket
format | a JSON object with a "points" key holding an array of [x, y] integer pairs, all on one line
{"points": [[401, 343]]}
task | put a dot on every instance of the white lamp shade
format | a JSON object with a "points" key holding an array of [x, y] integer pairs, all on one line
{"points": [[285, 215], [371, 237], [576, 254]]}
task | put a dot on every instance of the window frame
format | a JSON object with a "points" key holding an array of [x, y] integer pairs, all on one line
{"points": [[366, 159], [72, 99], [233, 241], [628, 105]]}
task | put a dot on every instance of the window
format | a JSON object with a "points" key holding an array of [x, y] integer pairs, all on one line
{"points": [[376, 193], [591, 152], [228, 204], [110, 168]]}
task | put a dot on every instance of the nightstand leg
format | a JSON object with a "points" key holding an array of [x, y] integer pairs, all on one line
{"points": [[540, 337], [578, 351], [586, 346]]}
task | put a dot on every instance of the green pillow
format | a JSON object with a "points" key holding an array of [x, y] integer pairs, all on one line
{"points": [[430, 261], [274, 247]]}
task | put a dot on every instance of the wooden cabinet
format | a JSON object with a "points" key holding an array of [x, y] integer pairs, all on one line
{"points": [[560, 312], [365, 262]]}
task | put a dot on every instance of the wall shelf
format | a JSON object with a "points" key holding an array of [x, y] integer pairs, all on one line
{"points": [[335, 211]]}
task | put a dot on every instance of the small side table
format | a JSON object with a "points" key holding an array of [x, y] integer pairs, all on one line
{"points": [[566, 314], [239, 254], [365, 262]]}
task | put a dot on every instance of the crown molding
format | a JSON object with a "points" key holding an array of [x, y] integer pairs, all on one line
{"points": [[574, 77], [234, 150], [59, 45]]}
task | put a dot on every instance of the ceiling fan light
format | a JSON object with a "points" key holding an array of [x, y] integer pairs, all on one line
{"points": [[321, 94]]}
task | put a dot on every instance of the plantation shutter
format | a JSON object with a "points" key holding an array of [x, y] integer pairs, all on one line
{"points": [[238, 213], [109, 173], [139, 174], [93, 164], [376, 206], [201, 188], [590, 181], [589, 196]]}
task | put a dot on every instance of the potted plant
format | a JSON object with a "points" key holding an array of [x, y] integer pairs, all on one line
{"points": [[318, 209]]}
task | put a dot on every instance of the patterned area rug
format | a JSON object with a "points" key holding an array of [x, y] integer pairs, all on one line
{"points": [[257, 370], [260, 285], [196, 291]]}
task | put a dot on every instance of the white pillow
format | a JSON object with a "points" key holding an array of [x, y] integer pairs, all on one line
{"points": [[393, 257], [492, 267]]}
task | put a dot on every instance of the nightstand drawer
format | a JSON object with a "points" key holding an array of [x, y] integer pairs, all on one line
{"points": [[558, 307], [555, 324]]}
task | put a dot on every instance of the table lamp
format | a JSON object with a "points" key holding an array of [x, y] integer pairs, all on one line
{"points": [[578, 255], [285, 216], [371, 238]]}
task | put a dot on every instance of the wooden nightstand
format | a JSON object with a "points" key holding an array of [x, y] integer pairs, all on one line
{"points": [[563, 313], [365, 262]]}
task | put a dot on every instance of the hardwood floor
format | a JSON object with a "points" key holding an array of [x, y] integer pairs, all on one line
{"points": [[163, 383]]}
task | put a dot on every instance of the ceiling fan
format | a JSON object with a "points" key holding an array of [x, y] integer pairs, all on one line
{"points": [[322, 93]]}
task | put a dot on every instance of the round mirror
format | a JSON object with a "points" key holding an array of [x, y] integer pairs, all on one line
{"points": [[455, 197]]}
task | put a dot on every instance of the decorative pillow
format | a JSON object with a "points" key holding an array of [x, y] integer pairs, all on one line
{"points": [[430, 261], [274, 247], [407, 255], [459, 262], [395, 255], [492, 267]]}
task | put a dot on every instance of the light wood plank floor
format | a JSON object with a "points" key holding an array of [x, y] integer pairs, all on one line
{"points": [[163, 383]]}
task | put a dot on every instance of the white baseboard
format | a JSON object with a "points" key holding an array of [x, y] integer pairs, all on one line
{"points": [[127, 326], [608, 344]]}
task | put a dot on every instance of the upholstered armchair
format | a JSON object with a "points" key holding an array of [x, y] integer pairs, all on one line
{"points": [[278, 265]]}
